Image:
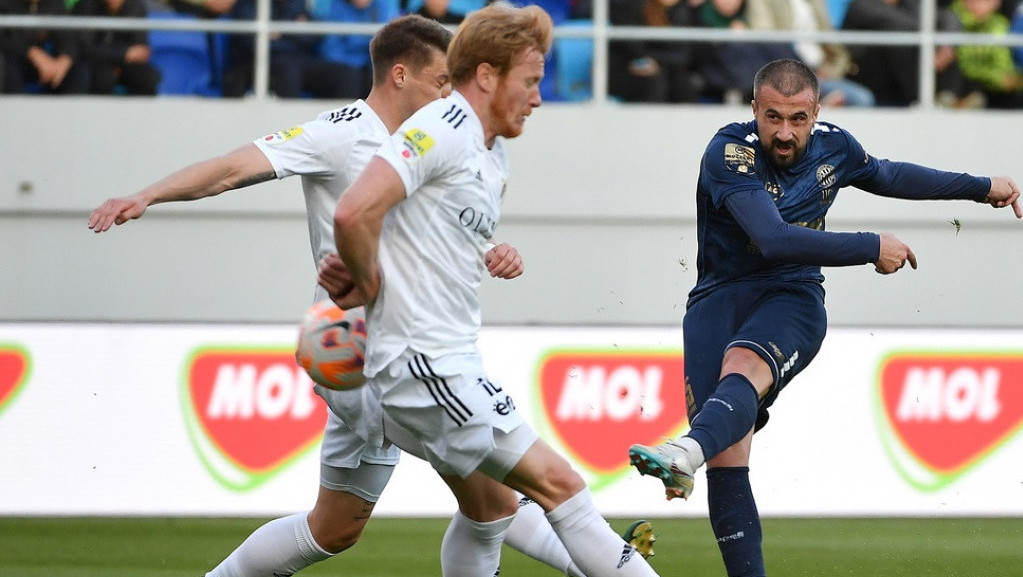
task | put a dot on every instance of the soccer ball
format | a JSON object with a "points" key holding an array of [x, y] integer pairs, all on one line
{"points": [[332, 345]]}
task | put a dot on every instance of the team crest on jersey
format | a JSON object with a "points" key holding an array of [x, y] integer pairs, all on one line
{"points": [[282, 136], [826, 178], [739, 158], [417, 143]]}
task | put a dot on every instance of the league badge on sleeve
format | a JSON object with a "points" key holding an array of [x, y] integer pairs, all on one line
{"points": [[417, 143], [282, 136], [739, 158]]}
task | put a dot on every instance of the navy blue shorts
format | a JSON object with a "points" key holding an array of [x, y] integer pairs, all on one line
{"points": [[782, 321]]}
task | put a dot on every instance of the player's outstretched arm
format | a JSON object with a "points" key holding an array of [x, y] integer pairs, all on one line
{"points": [[504, 261], [894, 255], [239, 168], [1004, 192]]}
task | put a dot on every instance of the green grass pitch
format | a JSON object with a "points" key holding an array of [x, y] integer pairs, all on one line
{"points": [[181, 547]]}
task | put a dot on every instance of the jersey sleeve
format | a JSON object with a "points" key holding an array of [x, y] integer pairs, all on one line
{"points": [[307, 150], [421, 149], [784, 242], [910, 181], [729, 167]]}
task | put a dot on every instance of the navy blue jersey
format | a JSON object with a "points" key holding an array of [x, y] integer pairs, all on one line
{"points": [[759, 222]]}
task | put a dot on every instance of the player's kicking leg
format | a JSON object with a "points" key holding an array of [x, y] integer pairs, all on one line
{"points": [[673, 462]]}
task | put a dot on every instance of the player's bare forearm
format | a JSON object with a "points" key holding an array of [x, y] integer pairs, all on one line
{"points": [[239, 168], [356, 237], [242, 167], [358, 220], [363, 282]]}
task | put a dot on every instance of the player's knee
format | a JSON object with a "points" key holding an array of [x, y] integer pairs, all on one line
{"points": [[561, 483], [335, 538]]}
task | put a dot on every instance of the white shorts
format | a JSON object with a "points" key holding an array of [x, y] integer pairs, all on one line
{"points": [[343, 447], [446, 411], [348, 462]]}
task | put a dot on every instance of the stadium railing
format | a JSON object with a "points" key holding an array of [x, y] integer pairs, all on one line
{"points": [[600, 32]]}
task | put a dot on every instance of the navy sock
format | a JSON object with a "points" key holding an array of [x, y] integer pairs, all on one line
{"points": [[726, 417], [735, 521]]}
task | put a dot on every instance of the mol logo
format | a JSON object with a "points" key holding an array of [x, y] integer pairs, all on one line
{"points": [[249, 412], [14, 369], [597, 403], [941, 414]]}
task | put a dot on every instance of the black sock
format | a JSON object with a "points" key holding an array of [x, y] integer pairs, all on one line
{"points": [[735, 521]]}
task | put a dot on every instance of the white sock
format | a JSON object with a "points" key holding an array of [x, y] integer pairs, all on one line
{"points": [[531, 533], [472, 548], [694, 452], [280, 547], [592, 543]]}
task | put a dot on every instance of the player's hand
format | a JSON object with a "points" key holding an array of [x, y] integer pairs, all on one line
{"points": [[503, 261], [334, 276], [894, 255], [116, 211], [62, 65], [1004, 192]]}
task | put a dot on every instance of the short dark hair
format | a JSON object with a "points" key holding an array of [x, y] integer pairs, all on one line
{"points": [[407, 40], [787, 76]]}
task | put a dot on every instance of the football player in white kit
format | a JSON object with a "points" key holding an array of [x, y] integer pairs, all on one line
{"points": [[328, 153], [416, 232]]}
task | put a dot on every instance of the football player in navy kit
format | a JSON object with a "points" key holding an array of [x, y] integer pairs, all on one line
{"points": [[756, 316]]}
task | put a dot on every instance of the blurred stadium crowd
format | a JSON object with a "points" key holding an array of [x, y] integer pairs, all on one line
{"points": [[336, 66]]}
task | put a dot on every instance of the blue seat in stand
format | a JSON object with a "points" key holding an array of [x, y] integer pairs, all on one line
{"points": [[184, 58]]}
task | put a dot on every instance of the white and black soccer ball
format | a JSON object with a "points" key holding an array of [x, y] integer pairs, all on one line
{"points": [[332, 345]]}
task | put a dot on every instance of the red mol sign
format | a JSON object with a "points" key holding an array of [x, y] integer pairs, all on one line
{"points": [[253, 411], [14, 368], [600, 402], [947, 412]]}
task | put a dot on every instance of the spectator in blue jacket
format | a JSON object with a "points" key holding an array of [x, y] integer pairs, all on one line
{"points": [[351, 52]]}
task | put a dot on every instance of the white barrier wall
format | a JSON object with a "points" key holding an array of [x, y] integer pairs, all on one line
{"points": [[600, 204], [142, 419]]}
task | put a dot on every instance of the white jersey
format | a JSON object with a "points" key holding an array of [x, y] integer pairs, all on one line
{"points": [[433, 243], [328, 153]]}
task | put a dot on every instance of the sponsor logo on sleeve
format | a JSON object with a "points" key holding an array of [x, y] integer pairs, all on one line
{"points": [[739, 158], [941, 414], [14, 369], [249, 412], [282, 136], [599, 402]]}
